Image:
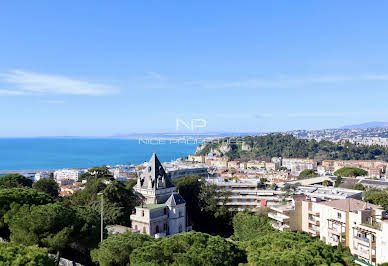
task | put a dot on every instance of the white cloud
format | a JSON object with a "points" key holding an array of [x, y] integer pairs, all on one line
{"points": [[25, 82]]}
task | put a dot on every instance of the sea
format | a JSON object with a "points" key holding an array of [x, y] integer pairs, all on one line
{"points": [[58, 153]]}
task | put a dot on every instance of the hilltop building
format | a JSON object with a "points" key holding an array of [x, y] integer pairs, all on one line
{"points": [[163, 211]]}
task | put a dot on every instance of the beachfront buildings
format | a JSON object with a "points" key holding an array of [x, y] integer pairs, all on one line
{"points": [[361, 226], [163, 210], [67, 175], [41, 175]]}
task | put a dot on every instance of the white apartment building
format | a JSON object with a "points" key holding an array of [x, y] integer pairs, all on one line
{"points": [[41, 175], [178, 169], [67, 174], [361, 226], [248, 194]]}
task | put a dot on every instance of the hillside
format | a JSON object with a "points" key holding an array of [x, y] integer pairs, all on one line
{"points": [[275, 145]]}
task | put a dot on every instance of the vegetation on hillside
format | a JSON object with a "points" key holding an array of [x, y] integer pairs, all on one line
{"points": [[350, 172], [19, 255], [377, 196], [201, 204], [307, 173], [287, 146], [70, 227]]}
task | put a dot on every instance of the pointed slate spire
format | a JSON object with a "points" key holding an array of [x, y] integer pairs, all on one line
{"points": [[154, 176]]}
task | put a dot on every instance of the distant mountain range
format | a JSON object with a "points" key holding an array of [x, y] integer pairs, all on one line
{"points": [[367, 125]]}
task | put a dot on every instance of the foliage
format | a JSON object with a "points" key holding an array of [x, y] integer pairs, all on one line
{"points": [[248, 226], [377, 196], [14, 181], [326, 183], [86, 227], [119, 200], [350, 172], [338, 181], [19, 196], [307, 173], [116, 249], [19, 255], [276, 145], [201, 203], [48, 186], [359, 186], [192, 248], [47, 225], [287, 248], [96, 173]]}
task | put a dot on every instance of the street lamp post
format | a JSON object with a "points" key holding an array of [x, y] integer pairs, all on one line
{"points": [[102, 215]]}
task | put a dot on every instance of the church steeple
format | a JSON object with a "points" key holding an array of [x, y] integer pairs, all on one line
{"points": [[154, 176]]}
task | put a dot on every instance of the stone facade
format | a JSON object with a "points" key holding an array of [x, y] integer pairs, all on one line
{"points": [[163, 210]]}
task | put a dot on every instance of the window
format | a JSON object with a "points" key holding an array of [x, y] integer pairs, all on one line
{"points": [[165, 211], [180, 228], [180, 213], [135, 226], [142, 213], [339, 215], [157, 229], [144, 230]]}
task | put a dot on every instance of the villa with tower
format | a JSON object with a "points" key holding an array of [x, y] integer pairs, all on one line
{"points": [[163, 210]]}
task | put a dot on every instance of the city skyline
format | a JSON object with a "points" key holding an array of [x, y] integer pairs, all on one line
{"points": [[138, 67]]}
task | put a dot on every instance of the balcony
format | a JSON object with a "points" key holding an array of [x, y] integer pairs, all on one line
{"points": [[278, 216], [313, 231], [335, 231], [362, 253], [281, 227], [313, 220], [314, 213]]}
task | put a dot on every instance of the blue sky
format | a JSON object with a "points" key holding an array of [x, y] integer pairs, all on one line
{"points": [[100, 68]]}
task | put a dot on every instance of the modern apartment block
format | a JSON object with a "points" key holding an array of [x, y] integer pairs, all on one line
{"points": [[178, 169], [361, 226], [248, 194], [67, 174]]}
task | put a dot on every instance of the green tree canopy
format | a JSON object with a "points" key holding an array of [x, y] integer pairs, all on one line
{"points": [[201, 203], [192, 248], [248, 226], [307, 173], [338, 181], [48, 186], [287, 146], [350, 172], [287, 248], [97, 172], [116, 249], [14, 181], [358, 186], [18, 196], [19, 255], [119, 200], [377, 196]]}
